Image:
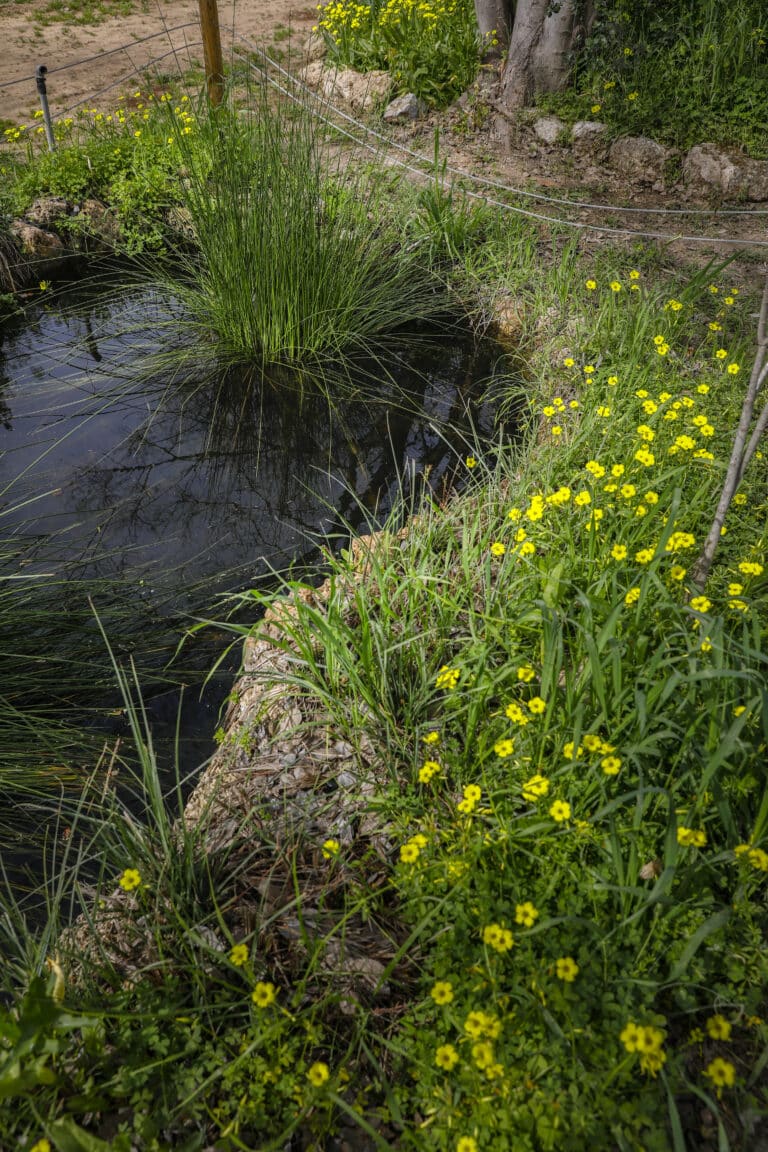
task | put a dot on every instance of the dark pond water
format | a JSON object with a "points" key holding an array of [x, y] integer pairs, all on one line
{"points": [[159, 494]]}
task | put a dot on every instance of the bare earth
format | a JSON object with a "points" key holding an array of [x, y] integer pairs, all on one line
{"points": [[26, 44]]}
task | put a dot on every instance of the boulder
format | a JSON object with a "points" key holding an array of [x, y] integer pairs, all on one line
{"points": [[549, 128], [98, 223], [639, 158], [587, 132], [404, 108], [361, 90], [707, 166], [36, 241], [45, 211]]}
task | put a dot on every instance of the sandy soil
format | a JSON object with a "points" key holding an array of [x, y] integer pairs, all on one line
{"points": [[26, 44]]}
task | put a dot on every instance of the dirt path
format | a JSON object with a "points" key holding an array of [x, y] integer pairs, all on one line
{"points": [[26, 44]]}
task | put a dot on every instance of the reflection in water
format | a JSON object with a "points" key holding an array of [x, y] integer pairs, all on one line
{"points": [[172, 490]]}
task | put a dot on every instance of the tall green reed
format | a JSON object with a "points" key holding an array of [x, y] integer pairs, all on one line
{"points": [[296, 257]]}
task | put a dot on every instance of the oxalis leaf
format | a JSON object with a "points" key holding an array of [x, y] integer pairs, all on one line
{"points": [[68, 1136], [704, 931]]}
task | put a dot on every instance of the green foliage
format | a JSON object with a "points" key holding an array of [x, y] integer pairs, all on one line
{"points": [[684, 72], [294, 259], [431, 49]]}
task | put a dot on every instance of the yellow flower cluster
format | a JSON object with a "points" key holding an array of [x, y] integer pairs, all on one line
{"points": [[648, 1041]]}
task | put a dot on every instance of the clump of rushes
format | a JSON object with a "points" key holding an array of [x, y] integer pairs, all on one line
{"points": [[293, 260]]}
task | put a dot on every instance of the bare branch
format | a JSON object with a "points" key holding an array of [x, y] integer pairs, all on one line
{"points": [[739, 453]]}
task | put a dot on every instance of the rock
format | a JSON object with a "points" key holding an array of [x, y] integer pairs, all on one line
{"points": [[706, 164], [99, 223], [316, 48], [586, 132], [709, 167], [639, 158], [404, 108], [549, 128], [35, 241], [359, 89], [506, 319], [47, 210]]}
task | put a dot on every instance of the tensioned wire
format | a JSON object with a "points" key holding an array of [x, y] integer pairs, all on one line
{"points": [[474, 178], [599, 228], [101, 55]]}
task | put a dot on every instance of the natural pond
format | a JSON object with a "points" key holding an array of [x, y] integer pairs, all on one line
{"points": [[154, 495]]}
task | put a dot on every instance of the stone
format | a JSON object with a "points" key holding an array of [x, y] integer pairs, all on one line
{"points": [[708, 167], [99, 223], [47, 210], [35, 241], [404, 108], [639, 158], [549, 128], [706, 164], [361, 90], [586, 132]]}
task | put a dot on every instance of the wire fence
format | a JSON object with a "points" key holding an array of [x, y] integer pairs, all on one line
{"points": [[518, 201]]}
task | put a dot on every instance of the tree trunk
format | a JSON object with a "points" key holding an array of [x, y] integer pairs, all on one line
{"points": [[543, 35], [494, 16]]}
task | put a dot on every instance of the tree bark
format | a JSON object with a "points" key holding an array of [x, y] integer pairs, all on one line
{"points": [[494, 16], [543, 35]]}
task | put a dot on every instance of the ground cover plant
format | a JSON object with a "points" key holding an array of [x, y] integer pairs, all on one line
{"points": [[682, 72], [576, 809], [432, 49]]}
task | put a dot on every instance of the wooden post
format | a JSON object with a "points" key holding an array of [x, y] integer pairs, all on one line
{"points": [[214, 67]]}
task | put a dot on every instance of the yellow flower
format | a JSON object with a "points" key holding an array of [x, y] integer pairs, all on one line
{"points": [[239, 955], [595, 109], [560, 811], [504, 748], [719, 1028], [536, 705], [526, 673], [569, 361], [733, 369], [613, 381], [497, 548], [498, 937], [442, 992], [632, 596], [750, 568], [634, 274], [566, 969], [471, 462], [466, 1144], [619, 552], [591, 285], [431, 737], [701, 604], [691, 837], [604, 411], [644, 457], [330, 849], [447, 677], [264, 994], [482, 1054], [644, 556], [615, 286], [130, 879], [611, 765], [630, 1036], [535, 788], [721, 354], [41, 1145], [428, 769], [526, 914], [318, 1074], [446, 1057], [721, 1072], [409, 853]]}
